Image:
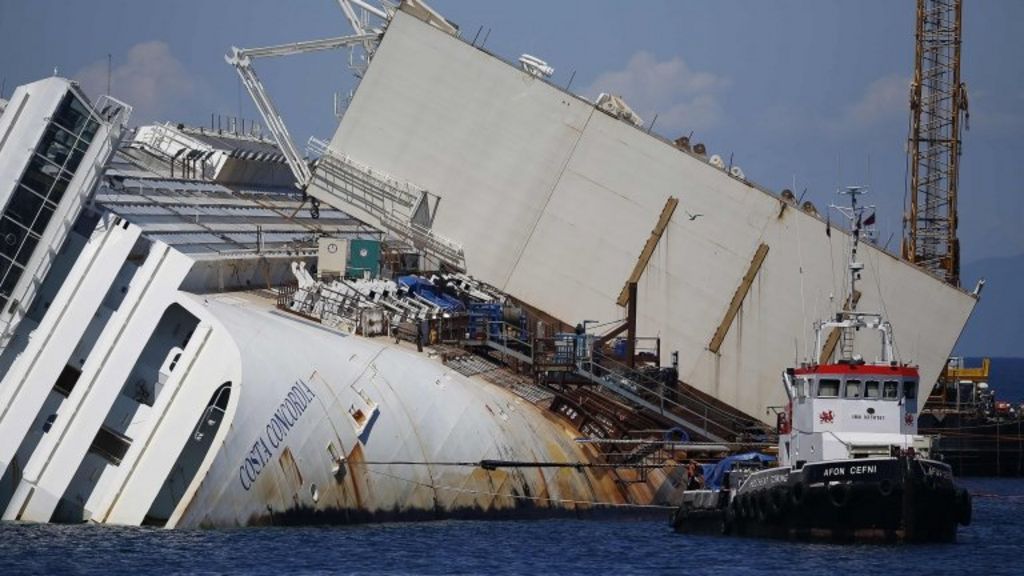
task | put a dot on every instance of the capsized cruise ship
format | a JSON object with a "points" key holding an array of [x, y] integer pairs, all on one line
{"points": [[182, 347], [150, 375]]}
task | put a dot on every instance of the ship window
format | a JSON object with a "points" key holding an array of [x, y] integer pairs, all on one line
{"points": [[9, 275], [872, 389], [72, 114], [110, 445], [40, 176], [15, 241], [56, 145], [828, 388], [890, 390], [853, 389], [45, 214], [59, 187], [910, 389], [24, 206]]}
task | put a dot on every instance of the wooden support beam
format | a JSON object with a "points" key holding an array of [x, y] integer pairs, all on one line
{"points": [[738, 297], [600, 342], [631, 327], [648, 251], [832, 341]]}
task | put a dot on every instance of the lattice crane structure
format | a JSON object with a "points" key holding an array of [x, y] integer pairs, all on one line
{"points": [[938, 105]]}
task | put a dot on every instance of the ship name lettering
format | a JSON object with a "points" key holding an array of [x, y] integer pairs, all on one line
{"points": [[294, 405], [759, 481], [865, 469]]}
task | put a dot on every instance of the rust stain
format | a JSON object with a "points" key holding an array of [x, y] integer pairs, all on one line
{"points": [[291, 471], [501, 490], [357, 475]]}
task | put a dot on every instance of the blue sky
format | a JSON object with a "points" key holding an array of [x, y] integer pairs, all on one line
{"points": [[814, 91]]}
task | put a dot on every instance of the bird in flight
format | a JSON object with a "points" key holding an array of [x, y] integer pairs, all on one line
{"points": [[692, 217]]}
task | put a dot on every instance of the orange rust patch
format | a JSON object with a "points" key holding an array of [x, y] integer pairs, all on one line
{"points": [[357, 475]]}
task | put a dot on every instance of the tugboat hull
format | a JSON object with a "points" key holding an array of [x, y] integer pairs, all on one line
{"points": [[862, 500]]}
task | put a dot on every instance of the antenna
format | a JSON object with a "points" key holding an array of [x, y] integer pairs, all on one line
{"points": [[848, 319], [853, 215]]}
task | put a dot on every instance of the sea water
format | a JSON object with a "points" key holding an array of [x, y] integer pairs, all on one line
{"points": [[992, 544]]}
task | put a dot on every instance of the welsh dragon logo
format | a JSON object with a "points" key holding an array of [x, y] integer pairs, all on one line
{"points": [[826, 417]]}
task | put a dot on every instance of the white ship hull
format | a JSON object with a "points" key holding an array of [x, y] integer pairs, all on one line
{"points": [[312, 425]]}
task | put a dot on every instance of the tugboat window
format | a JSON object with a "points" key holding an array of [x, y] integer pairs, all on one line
{"points": [[872, 389], [828, 389], [853, 389], [890, 390], [910, 389]]}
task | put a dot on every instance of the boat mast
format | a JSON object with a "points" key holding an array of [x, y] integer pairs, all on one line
{"points": [[849, 321]]}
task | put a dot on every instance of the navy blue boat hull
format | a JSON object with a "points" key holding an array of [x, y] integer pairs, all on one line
{"points": [[881, 500]]}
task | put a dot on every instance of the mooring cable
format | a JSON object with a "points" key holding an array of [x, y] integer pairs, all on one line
{"points": [[572, 501], [488, 464]]}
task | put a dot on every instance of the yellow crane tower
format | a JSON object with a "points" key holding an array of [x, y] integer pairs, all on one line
{"points": [[938, 103]]}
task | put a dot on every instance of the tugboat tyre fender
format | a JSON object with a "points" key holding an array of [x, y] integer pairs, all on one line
{"points": [[838, 494], [771, 504], [964, 508], [886, 487], [747, 506], [797, 493], [764, 504], [780, 499]]}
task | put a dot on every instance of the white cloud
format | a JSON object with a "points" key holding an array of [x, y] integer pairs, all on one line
{"points": [[150, 79], [885, 99], [682, 98], [993, 115]]}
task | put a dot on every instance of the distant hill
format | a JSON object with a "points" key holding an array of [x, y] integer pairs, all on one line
{"points": [[997, 326]]}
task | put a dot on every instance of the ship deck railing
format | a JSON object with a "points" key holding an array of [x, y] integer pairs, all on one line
{"points": [[573, 354]]}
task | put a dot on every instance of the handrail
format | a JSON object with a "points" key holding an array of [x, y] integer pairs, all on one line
{"points": [[641, 378], [381, 197], [634, 396]]}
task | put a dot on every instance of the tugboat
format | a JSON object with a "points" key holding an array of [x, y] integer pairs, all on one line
{"points": [[851, 465]]}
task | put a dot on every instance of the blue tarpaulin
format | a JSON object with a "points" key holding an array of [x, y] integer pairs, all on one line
{"points": [[428, 291], [714, 474]]}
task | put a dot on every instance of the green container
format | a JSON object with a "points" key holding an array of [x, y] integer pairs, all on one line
{"points": [[363, 258]]}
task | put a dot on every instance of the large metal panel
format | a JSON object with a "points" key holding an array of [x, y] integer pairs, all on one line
{"points": [[553, 201], [400, 139]]}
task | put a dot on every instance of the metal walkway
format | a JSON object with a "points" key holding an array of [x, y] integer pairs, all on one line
{"points": [[398, 208], [575, 354]]}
